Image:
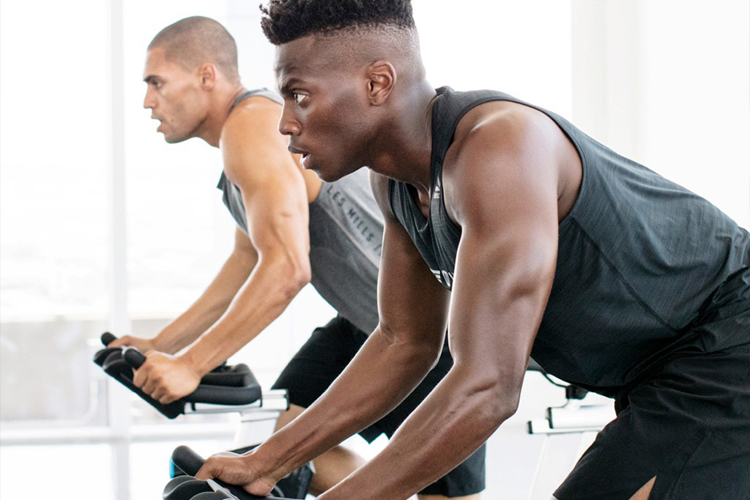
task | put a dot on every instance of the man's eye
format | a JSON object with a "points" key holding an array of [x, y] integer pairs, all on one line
{"points": [[298, 98]]}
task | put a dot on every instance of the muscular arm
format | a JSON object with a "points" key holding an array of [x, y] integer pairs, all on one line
{"points": [[504, 195], [273, 191], [213, 302], [507, 208], [275, 198], [392, 362]]}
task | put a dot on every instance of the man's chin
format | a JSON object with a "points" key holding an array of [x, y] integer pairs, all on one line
{"points": [[327, 175], [326, 171], [170, 139]]}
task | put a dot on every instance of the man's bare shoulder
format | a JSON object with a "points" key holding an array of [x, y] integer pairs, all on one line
{"points": [[250, 141], [255, 115], [506, 145], [499, 126]]}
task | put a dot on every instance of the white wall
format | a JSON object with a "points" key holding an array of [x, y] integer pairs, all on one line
{"points": [[666, 82]]}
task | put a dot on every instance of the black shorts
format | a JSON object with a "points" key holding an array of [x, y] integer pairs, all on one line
{"points": [[325, 355], [687, 422]]}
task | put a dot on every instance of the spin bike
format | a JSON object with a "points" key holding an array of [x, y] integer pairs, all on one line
{"points": [[187, 487], [226, 389]]}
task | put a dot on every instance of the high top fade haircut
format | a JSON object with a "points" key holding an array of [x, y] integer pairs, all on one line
{"points": [[197, 40], [287, 20]]}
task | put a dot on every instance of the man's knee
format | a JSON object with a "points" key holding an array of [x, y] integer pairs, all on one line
{"points": [[645, 491]]}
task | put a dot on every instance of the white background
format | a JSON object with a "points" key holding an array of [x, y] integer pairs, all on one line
{"points": [[102, 224]]}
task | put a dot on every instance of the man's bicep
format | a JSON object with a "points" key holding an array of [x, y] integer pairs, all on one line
{"points": [[505, 264], [273, 191], [411, 302], [276, 212]]}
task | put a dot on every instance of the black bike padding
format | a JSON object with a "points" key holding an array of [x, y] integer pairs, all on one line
{"points": [[226, 385], [190, 462], [108, 338], [133, 357], [215, 495], [114, 365], [184, 487]]}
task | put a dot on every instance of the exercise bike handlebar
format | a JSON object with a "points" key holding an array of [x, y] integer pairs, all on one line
{"points": [[131, 355], [107, 338], [226, 385], [190, 463]]}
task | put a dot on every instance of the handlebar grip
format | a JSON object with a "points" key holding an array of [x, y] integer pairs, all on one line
{"points": [[187, 460], [190, 462], [107, 338], [133, 356]]}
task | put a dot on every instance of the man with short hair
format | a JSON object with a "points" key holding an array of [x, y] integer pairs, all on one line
{"points": [[293, 229], [523, 236]]}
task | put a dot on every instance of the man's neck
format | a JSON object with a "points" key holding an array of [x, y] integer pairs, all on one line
{"points": [[221, 106], [403, 149]]}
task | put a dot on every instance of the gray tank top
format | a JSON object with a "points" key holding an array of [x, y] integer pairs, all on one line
{"points": [[346, 235], [642, 262]]}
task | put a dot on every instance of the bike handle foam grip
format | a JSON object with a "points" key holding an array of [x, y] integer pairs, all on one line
{"points": [[133, 357], [190, 462], [187, 460], [185, 488], [107, 338]]}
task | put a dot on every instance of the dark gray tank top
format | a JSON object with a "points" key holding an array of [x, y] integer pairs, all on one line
{"points": [[640, 260], [346, 234]]}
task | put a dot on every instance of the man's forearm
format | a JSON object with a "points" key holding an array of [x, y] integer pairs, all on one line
{"points": [[380, 376], [458, 416], [187, 327], [209, 307], [264, 296]]}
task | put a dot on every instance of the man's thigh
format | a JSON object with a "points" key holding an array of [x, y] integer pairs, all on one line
{"points": [[688, 426]]}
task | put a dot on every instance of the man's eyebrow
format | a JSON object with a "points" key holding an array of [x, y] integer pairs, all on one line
{"points": [[288, 84]]}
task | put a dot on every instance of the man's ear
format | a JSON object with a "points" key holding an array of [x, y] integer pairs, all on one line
{"points": [[381, 78], [207, 73]]}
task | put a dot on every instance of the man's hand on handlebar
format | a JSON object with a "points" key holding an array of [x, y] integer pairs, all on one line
{"points": [[236, 469], [165, 377], [143, 345]]}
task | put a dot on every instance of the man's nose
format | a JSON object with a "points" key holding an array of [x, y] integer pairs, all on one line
{"points": [[148, 101], [288, 125]]}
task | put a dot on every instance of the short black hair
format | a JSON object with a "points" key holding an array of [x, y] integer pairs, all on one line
{"points": [[288, 20], [196, 40]]}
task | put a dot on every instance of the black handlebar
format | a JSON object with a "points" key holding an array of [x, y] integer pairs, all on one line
{"points": [[108, 338], [187, 460], [133, 357], [226, 385], [190, 462]]}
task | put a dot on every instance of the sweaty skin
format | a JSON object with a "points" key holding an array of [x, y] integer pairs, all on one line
{"points": [[510, 176]]}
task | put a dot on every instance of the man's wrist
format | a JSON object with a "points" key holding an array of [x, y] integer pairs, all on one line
{"points": [[193, 362], [276, 461], [166, 342], [156, 344]]}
